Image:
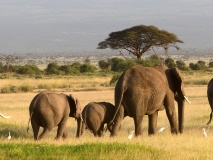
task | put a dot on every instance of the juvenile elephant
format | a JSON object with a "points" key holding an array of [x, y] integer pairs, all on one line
{"points": [[145, 91], [48, 110], [210, 97], [95, 115]]}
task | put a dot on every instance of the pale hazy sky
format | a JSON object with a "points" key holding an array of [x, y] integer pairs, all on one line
{"points": [[57, 26]]}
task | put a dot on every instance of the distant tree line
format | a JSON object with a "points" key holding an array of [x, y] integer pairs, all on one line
{"points": [[110, 65]]}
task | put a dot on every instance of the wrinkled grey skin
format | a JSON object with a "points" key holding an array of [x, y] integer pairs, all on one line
{"points": [[145, 91], [95, 115], [210, 97], [48, 110]]}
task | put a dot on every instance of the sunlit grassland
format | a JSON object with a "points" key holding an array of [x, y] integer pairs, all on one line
{"points": [[66, 83], [197, 77], [18, 84], [190, 145]]}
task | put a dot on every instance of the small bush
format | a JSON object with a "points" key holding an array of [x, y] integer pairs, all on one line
{"points": [[69, 69], [114, 79], [29, 70], [8, 89], [87, 68], [182, 65], [15, 89], [211, 64], [114, 62], [104, 65], [52, 68], [25, 88], [170, 63]]}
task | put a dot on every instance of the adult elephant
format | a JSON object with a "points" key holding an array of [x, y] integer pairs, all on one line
{"points": [[2, 115], [145, 91], [95, 115], [210, 98], [49, 109]]}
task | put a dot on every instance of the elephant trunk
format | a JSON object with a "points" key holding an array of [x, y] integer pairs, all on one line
{"points": [[79, 127], [181, 108]]}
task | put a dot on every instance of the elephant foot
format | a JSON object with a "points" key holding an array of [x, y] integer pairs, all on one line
{"points": [[174, 131]]}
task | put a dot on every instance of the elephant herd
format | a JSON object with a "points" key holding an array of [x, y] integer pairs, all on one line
{"points": [[139, 91]]}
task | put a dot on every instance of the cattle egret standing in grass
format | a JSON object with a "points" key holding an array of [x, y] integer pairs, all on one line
{"points": [[204, 132], [131, 135], [161, 129], [9, 136]]}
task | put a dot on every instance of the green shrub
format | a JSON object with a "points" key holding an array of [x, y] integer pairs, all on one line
{"points": [[211, 64], [104, 65], [8, 89], [25, 88], [182, 65], [87, 67], [65, 69], [124, 65], [53, 68], [155, 56], [15, 89], [170, 63], [76, 67], [196, 66], [114, 62], [114, 79], [29, 70]]}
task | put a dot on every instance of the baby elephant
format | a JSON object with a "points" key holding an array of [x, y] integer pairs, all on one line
{"points": [[48, 110], [95, 115], [210, 98]]}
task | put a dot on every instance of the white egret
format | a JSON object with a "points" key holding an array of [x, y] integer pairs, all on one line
{"points": [[204, 132], [161, 129], [9, 136], [131, 135]]}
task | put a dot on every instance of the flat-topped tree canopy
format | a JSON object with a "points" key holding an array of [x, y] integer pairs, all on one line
{"points": [[139, 39]]}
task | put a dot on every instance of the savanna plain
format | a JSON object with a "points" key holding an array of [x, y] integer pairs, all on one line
{"points": [[189, 145]]}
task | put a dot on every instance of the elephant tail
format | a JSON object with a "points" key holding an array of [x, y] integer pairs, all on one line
{"points": [[32, 107], [210, 118], [28, 127], [118, 96]]}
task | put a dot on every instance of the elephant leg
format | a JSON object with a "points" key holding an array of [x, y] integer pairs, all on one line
{"points": [[138, 125], [95, 134], [153, 123], [79, 127], [83, 127], [61, 128], [117, 122], [44, 133], [171, 114], [65, 134], [101, 130], [35, 127]]}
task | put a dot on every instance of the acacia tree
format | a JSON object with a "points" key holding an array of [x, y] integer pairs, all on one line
{"points": [[139, 39]]}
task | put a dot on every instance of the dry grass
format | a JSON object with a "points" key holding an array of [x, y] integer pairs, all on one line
{"points": [[72, 83], [190, 145]]}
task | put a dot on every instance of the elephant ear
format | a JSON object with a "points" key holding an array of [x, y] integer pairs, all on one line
{"points": [[76, 104], [177, 81]]}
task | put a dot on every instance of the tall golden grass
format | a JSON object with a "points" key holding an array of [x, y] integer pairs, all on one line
{"points": [[71, 83], [189, 145]]}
